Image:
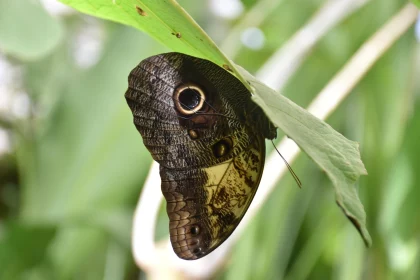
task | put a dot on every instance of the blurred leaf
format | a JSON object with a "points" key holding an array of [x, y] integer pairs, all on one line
{"points": [[79, 252], [396, 190], [269, 240], [22, 248], [416, 2], [111, 222], [27, 31], [349, 268], [311, 249], [406, 178], [245, 265], [87, 156], [82, 165], [335, 154]]}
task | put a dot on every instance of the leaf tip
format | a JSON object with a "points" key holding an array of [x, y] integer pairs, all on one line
{"points": [[361, 228]]}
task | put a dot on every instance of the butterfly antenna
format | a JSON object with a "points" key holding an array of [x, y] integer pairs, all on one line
{"points": [[289, 167]]}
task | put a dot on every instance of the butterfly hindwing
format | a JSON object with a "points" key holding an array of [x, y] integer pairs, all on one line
{"points": [[200, 125], [206, 204]]}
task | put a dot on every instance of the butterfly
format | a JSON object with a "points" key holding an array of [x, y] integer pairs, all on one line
{"points": [[199, 123]]}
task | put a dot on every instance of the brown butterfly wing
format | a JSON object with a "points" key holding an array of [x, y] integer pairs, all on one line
{"points": [[211, 159], [206, 204]]}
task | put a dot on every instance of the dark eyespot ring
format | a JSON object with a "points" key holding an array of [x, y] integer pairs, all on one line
{"points": [[188, 99]]}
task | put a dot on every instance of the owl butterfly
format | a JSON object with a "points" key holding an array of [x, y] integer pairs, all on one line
{"points": [[199, 123]]}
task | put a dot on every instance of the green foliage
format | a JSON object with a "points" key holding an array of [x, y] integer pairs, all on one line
{"points": [[24, 248], [81, 163], [69, 186], [165, 21], [417, 2], [171, 25], [34, 35], [102, 149], [335, 154]]}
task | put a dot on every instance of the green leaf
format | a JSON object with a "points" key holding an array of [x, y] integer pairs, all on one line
{"points": [[168, 23], [34, 35], [22, 248], [335, 154], [416, 2]]}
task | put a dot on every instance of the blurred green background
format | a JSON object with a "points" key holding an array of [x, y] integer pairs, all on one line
{"points": [[72, 164]]}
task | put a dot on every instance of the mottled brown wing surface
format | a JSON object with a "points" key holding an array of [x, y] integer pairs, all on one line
{"points": [[200, 125]]}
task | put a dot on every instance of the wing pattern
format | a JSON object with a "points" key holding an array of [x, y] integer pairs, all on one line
{"points": [[211, 159], [206, 204]]}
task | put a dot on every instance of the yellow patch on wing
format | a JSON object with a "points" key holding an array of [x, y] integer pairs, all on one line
{"points": [[230, 189]]}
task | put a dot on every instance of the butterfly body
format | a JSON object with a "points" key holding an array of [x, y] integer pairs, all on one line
{"points": [[200, 125]]}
